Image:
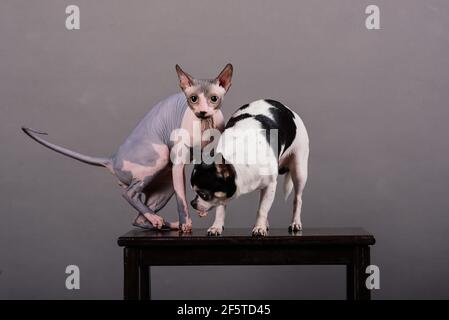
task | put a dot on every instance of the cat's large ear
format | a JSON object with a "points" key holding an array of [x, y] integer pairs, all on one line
{"points": [[225, 76], [185, 79]]}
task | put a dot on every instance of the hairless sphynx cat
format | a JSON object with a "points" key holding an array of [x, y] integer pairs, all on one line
{"points": [[143, 164]]}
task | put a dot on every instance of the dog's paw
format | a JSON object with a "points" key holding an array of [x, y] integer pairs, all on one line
{"points": [[295, 227], [260, 231], [215, 231]]}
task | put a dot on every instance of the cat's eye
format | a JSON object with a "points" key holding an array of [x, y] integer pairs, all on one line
{"points": [[214, 99], [194, 99]]}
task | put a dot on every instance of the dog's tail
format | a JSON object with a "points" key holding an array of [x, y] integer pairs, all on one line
{"points": [[100, 162], [288, 185]]}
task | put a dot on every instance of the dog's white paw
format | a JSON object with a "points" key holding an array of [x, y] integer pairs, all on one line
{"points": [[260, 231], [215, 230], [295, 227]]}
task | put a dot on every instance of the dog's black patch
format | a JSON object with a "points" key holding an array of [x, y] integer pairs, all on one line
{"points": [[205, 178], [268, 124], [283, 122], [234, 120], [284, 119]]}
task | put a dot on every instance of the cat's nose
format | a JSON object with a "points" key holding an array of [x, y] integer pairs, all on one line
{"points": [[202, 114]]}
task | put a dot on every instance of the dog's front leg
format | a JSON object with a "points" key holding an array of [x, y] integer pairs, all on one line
{"points": [[185, 223], [266, 200], [217, 227]]}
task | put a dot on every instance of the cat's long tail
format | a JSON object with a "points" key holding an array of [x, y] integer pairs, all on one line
{"points": [[100, 162]]}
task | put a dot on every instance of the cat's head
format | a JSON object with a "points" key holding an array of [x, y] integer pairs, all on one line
{"points": [[204, 96]]}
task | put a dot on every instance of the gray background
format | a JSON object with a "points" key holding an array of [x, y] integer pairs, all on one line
{"points": [[375, 104]]}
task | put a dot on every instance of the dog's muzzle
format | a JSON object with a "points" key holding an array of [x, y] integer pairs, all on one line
{"points": [[201, 213]]}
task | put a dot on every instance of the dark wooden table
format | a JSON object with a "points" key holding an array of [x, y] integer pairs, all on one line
{"points": [[331, 246]]}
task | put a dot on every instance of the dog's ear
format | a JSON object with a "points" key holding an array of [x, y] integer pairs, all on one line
{"points": [[185, 80], [225, 76], [218, 157], [223, 170], [228, 174], [203, 165]]}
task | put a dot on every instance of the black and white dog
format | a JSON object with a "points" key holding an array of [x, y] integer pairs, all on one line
{"points": [[261, 140]]}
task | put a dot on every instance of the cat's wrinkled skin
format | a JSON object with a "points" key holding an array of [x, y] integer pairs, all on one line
{"points": [[143, 164]]}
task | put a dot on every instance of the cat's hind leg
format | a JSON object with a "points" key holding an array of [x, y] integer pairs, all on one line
{"points": [[157, 194], [143, 175]]}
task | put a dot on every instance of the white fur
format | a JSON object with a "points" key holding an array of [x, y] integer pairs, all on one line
{"points": [[250, 177], [255, 108]]}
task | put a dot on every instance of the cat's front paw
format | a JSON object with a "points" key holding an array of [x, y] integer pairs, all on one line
{"points": [[186, 227]]}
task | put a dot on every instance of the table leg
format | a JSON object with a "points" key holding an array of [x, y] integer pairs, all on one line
{"points": [[145, 282], [355, 275], [131, 268]]}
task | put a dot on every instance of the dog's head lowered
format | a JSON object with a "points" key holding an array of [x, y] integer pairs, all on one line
{"points": [[204, 97], [214, 184]]}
